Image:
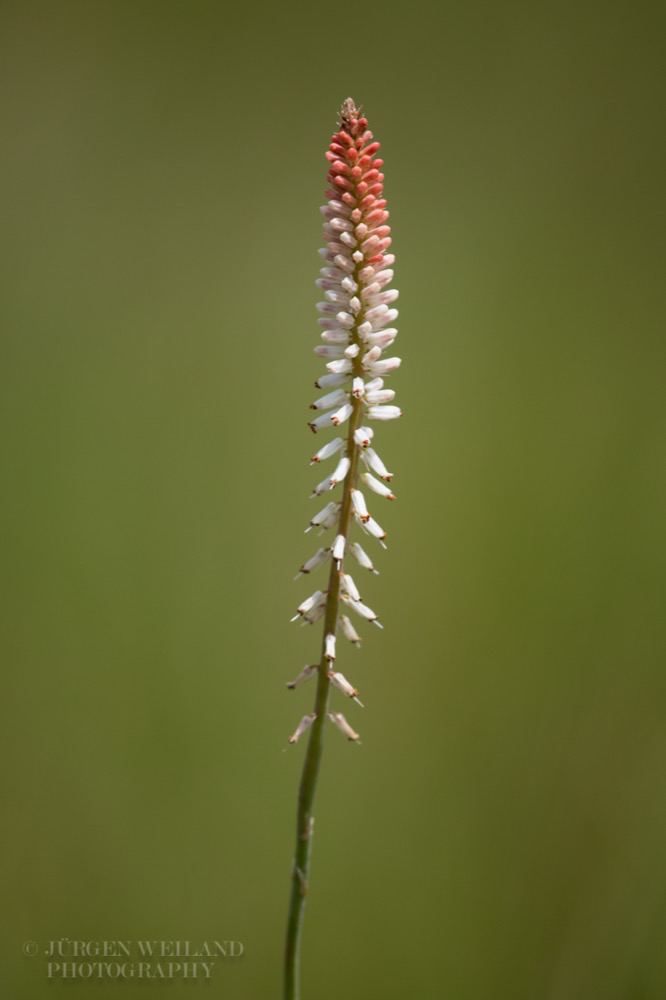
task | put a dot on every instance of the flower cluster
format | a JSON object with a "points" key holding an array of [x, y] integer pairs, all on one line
{"points": [[356, 323]]}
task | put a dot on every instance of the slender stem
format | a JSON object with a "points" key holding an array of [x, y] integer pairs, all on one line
{"points": [[306, 791]]}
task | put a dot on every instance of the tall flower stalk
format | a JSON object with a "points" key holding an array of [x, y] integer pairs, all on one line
{"points": [[356, 328]]}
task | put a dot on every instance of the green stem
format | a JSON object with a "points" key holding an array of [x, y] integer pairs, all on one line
{"points": [[308, 785]]}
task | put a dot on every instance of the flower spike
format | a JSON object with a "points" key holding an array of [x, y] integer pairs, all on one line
{"points": [[356, 321], [357, 314]]}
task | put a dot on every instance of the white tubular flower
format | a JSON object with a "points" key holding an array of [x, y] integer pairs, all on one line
{"points": [[357, 388], [345, 412], [323, 487], [373, 529], [320, 556], [330, 510], [379, 396], [329, 449], [370, 457], [376, 315], [320, 423], [340, 337], [335, 398], [363, 436], [361, 609], [362, 558], [349, 587], [342, 367], [346, 320], [370, 291], [339, 548], [382, 339], [343, 685], [332, 419], [358, 504], [329, 381], [344, 727], [376, 486], [356, 325], [341, 471], [383, 412], [349, 631], [384, 366], [305, 675], [332, 351], [308, 605], [371, 358], [306, 721], [310, 617], [328, 523]]}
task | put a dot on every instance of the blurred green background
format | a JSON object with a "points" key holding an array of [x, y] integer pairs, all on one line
{"points": [[501, 832]]}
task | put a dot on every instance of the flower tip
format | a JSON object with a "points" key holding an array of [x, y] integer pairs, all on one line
{"points": [[349, 114]]}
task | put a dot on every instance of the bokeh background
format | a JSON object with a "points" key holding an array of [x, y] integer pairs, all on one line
{"points": [[501, 832]]}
